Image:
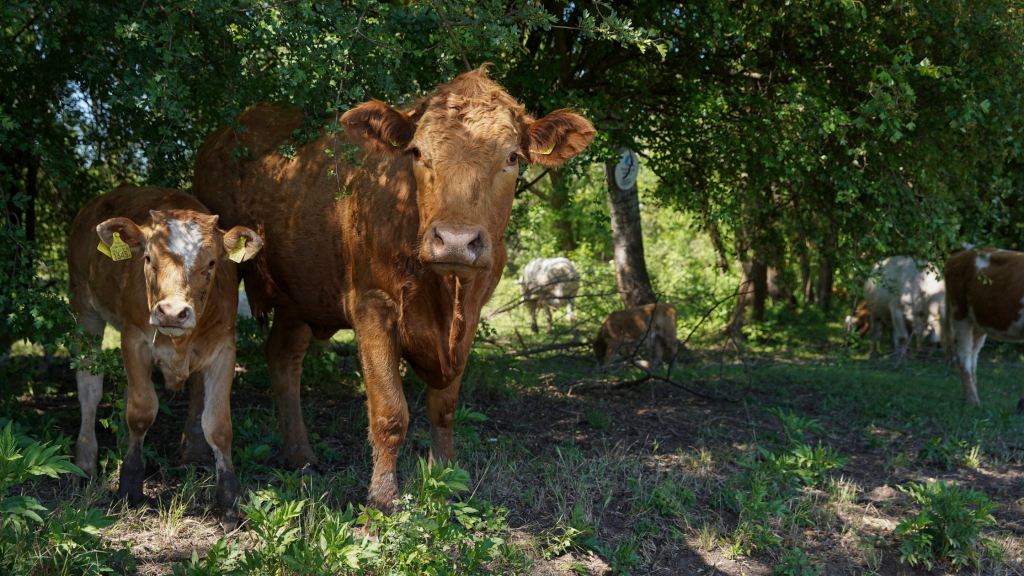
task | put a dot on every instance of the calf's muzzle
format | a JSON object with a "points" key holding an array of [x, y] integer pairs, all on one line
{"points": [[459, 249], [172, 317]]}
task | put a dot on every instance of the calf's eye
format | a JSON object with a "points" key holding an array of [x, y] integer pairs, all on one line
{"points": [[512, 158], [212, 263]]}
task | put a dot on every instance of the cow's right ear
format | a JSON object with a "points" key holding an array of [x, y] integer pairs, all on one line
{"points": [[379, 127], [129, 233], [236, 249]]}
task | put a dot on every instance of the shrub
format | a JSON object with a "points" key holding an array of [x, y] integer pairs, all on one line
{"points": [[795, 563], [34, 539], [948, 527]]}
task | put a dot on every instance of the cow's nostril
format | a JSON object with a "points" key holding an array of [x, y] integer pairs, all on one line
{"points": [[476, 245], [183, 314], [438, 240], [159, 309]]}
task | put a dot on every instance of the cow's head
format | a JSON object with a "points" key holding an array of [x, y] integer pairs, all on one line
{"points": [[181, 249], [465, 142]]}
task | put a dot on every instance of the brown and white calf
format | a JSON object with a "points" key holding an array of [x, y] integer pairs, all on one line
{"points": [[172, 293], [984, 297], [653, 324]]}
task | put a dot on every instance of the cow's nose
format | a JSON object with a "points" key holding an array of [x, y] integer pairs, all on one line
{"points": [[173, 315], [458, 245]]}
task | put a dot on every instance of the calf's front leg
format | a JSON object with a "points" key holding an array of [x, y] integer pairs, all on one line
{"points": [[194, 447], [376, 329], [216, 423], [142, 408]]}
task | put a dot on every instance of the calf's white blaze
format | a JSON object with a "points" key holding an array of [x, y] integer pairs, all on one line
{"points": [[186, 240]]}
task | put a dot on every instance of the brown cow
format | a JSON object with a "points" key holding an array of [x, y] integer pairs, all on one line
{"points": [[173, 296], [635, 325], [403, 242], [984, 297]]}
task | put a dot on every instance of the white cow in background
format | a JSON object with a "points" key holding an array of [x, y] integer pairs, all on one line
{"points": [[549, 283], [908, 296]]}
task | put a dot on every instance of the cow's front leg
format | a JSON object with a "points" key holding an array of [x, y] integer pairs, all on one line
{"points": [[90, 391], [376, 328], [441, 411], [142, 409], [194, 448], [216, 424], [286, 347]]}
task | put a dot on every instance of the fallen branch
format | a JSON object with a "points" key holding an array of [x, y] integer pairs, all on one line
{"points": [[550, 347]]}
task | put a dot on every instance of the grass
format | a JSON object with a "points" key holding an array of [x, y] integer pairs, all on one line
{"points": [[800, 475]]}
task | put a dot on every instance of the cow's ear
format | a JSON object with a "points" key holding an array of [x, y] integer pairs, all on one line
{"points": [[127, 230], [233, 244], [379, 127], [556, 137]]}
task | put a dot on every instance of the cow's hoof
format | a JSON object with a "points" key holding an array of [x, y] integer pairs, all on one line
{"points": [[227, 498], [1020, 407], [301, 459]]}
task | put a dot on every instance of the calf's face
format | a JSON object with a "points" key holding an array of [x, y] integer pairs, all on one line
{"points": [[180, 251], [465, 143]]}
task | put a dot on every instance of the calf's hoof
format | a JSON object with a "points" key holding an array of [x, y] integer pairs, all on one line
{"points": [[227, 497]]}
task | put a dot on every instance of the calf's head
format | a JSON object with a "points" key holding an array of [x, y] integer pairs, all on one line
{"points": [[465, 142], [180, 252]]}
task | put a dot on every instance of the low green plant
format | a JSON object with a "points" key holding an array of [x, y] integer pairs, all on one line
{"points": [[948, 526], [431, 531], [34, 539], [668, 498], [950, 453], [598, 419], [566, 536], [795, 563], [463, 428]]}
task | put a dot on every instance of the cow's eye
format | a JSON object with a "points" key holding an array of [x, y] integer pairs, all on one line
{"points": [[213, 263], [512, 158], [416, 153]]}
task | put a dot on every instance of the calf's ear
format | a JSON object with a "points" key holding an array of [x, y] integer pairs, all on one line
{"points": [[379, 127], [236, 250], [556, 137], [127, 230]]}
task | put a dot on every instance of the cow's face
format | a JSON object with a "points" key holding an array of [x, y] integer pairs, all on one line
{"points": [[465, 143], [180, 251]]}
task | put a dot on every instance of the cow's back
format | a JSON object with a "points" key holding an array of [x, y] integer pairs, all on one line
{"points": [[313, 211], [892, 282]]}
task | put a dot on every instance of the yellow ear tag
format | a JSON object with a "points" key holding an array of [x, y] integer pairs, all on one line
{"points": [[104, 249], [238, 252], [545, 151], [394, 143], [119, 250]]}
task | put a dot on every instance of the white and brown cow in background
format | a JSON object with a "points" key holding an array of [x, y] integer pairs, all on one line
{"points": [[549, 283], [172, 292], [985, 297], [907, 296]]}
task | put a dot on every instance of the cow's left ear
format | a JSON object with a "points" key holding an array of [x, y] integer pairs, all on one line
{"points": [[556, 137], [233, 244], [127, 230], [380, 127]]}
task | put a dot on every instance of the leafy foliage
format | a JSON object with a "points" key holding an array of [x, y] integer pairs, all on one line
{"points": [[32, 537], [948, 527]]}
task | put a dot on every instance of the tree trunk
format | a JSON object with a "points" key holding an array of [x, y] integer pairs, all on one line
{"points": [[806, 278], [559, 205], [32, 191], [752, 294], [825, 282], [719, 245], [628, 243]]}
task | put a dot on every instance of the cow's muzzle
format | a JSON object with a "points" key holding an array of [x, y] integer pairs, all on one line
{"points": [[173, 318], [456, 249]]}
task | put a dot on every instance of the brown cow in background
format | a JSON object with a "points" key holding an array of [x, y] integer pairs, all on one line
{"points": [[405, 246], [984, 297], [163, 279], [652, 324]]}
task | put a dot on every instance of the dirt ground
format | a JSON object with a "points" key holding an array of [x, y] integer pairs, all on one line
{"points": [[646, 429]]}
